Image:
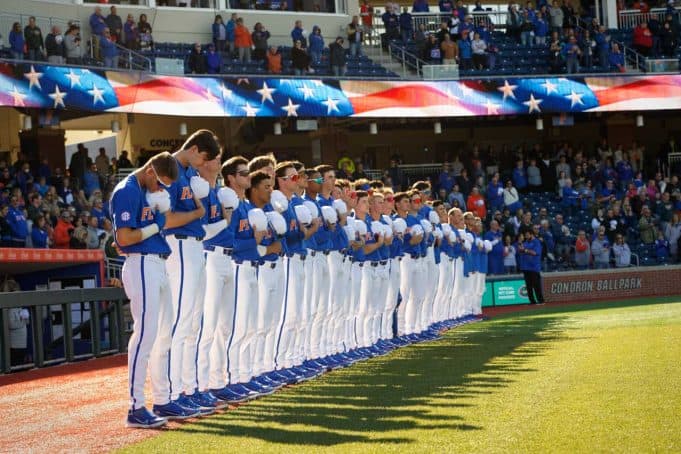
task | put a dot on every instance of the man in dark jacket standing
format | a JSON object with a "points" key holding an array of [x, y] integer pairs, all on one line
{"points": [[54, 46], [33, 38], [115, 24], [337, 57]]}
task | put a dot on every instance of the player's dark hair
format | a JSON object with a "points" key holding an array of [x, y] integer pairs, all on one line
{"points": [[206, 141], [324, 168], [421, 186], [165, 165], [376, 184], [261, 162], [258, 176], [298, 165], [401, 196], [310, 172], [342, 183], [280, 171], [437, 203], [230, 166], [361, 194]]}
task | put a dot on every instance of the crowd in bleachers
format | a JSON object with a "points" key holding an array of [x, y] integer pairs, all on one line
{"points": [[589, 208]]}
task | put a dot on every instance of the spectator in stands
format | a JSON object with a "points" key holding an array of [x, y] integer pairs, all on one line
{"points": [[17, 222], [34, 209], [526, 30], [260, 36], [115, 24], [18, 319], [572, 55], [33, 38], [243, 41], [556, 53], [337, 57], [213, 60], [445, 6], [300, 60], [197, 61], [617, 58], [479, 48], [557, 17], [465, 52], [588, 46], [510, 264], [600, 249], [450, 51], [541, 29], [16, 42], [621, 252], [72, 46], [54, 46], [672, 233], [456, 197], [354, 30], [432, 52], [511, 197], [316, 46], [366, 12], [97, 26], [646, 226], [131, 32], [668, 39], [513, 22], [392, 24], [603, 45], [274, 60], [299, 34], [662, 249], [230, 27], [495, 257], [102, 163], [145, 31], [446, 178], [94, 234], [476, 203], [5, 229], [39, 236], [108, 49], [219, 31], [495, 193], [123, 161], [406, 26], [420, 6]]}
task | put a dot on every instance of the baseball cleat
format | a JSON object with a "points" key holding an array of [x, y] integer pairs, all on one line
{"points": [[172, 410], [144, 419]]}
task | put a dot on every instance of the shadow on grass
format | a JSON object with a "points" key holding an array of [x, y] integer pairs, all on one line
{"points": [[373, 402]]}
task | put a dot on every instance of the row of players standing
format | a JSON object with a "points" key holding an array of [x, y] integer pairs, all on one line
{"points": [[238, 290]]}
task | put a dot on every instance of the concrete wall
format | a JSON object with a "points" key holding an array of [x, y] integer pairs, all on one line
{"points": [[178, 24]]}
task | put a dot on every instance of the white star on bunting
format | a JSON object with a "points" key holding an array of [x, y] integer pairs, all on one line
{"points": [[74, 78], [492, 109], [308, 92], [58, 97], [331, 105], [33, 78], [507, 90], [97, 95], [550, 87], [226, 92], [575, 99], [18, 96], [291, 109], [533, 104], [250, 110], [266, 93]]}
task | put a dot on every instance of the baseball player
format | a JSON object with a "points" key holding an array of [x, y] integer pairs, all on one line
{"points": [[184, 234], [216, 324], [137, 225], [439, 214], [460, 247], [383, 235]]}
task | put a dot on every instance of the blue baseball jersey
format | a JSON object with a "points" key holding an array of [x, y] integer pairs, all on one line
{"points": [[531, 262], [130, 209], [245, 247], [213, 214], [323, 236], [271, 237], [458, 250], [412, 249], [376, 255], [358, 254], [294, 236], [182, 200], [17, 222], [294, 202]]}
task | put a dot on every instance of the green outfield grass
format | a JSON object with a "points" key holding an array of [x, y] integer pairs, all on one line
{"points": [[576, 378]]}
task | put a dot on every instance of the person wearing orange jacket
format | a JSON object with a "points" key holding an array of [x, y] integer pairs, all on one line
{"points": [[243, 41], [476, 203], [62, 231]]}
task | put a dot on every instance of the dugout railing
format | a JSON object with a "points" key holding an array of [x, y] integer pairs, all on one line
{"points": [[104, 333]]}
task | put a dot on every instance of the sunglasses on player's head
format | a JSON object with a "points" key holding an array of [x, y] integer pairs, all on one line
{"points": [[416, 200], [294, 177], [319, 180], [389, 199], [353, 195], [242, 173]]}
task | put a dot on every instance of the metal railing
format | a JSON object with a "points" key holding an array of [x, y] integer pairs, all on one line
{"points": [[410, 62], [432, 21], [630, 18], [630, 55], [104, 330], [127, 59]]}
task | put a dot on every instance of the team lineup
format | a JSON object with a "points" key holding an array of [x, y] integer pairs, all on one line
{"points": [[278, 274]]}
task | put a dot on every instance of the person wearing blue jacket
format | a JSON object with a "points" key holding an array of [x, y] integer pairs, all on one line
{"points": [[316, 45], [465, 52], [230, 27], [519, 177], [39, 236], [420, 6], [16, 41], [406, 26], [530, 265], [219, 30], [213, 60], [17, 223], [495, 194], [108, 50]]}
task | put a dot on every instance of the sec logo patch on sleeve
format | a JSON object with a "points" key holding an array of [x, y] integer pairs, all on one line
{"points": [[125, 216]]}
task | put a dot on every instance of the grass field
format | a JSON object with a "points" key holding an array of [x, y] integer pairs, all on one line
{"points": [[575, 378]]}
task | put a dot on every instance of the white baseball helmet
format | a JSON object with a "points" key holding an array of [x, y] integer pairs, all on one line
{"points": [[228, 198], [277, 222], [257, 219], [387, 220], [340, 207], [361, 227], [433, 217], [303, 214], [329, 214], [427, 226], [159, 200], [279, 201], [314, 211], [200, 187], [399, 225]]}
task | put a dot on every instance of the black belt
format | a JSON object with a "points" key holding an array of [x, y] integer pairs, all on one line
{"points": [[151, 254], [414, 256], [225, 251], [271, 264], [186, 237], [313, 253], [399, 259], [375, 264], [301, 256], [253, 263]]}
